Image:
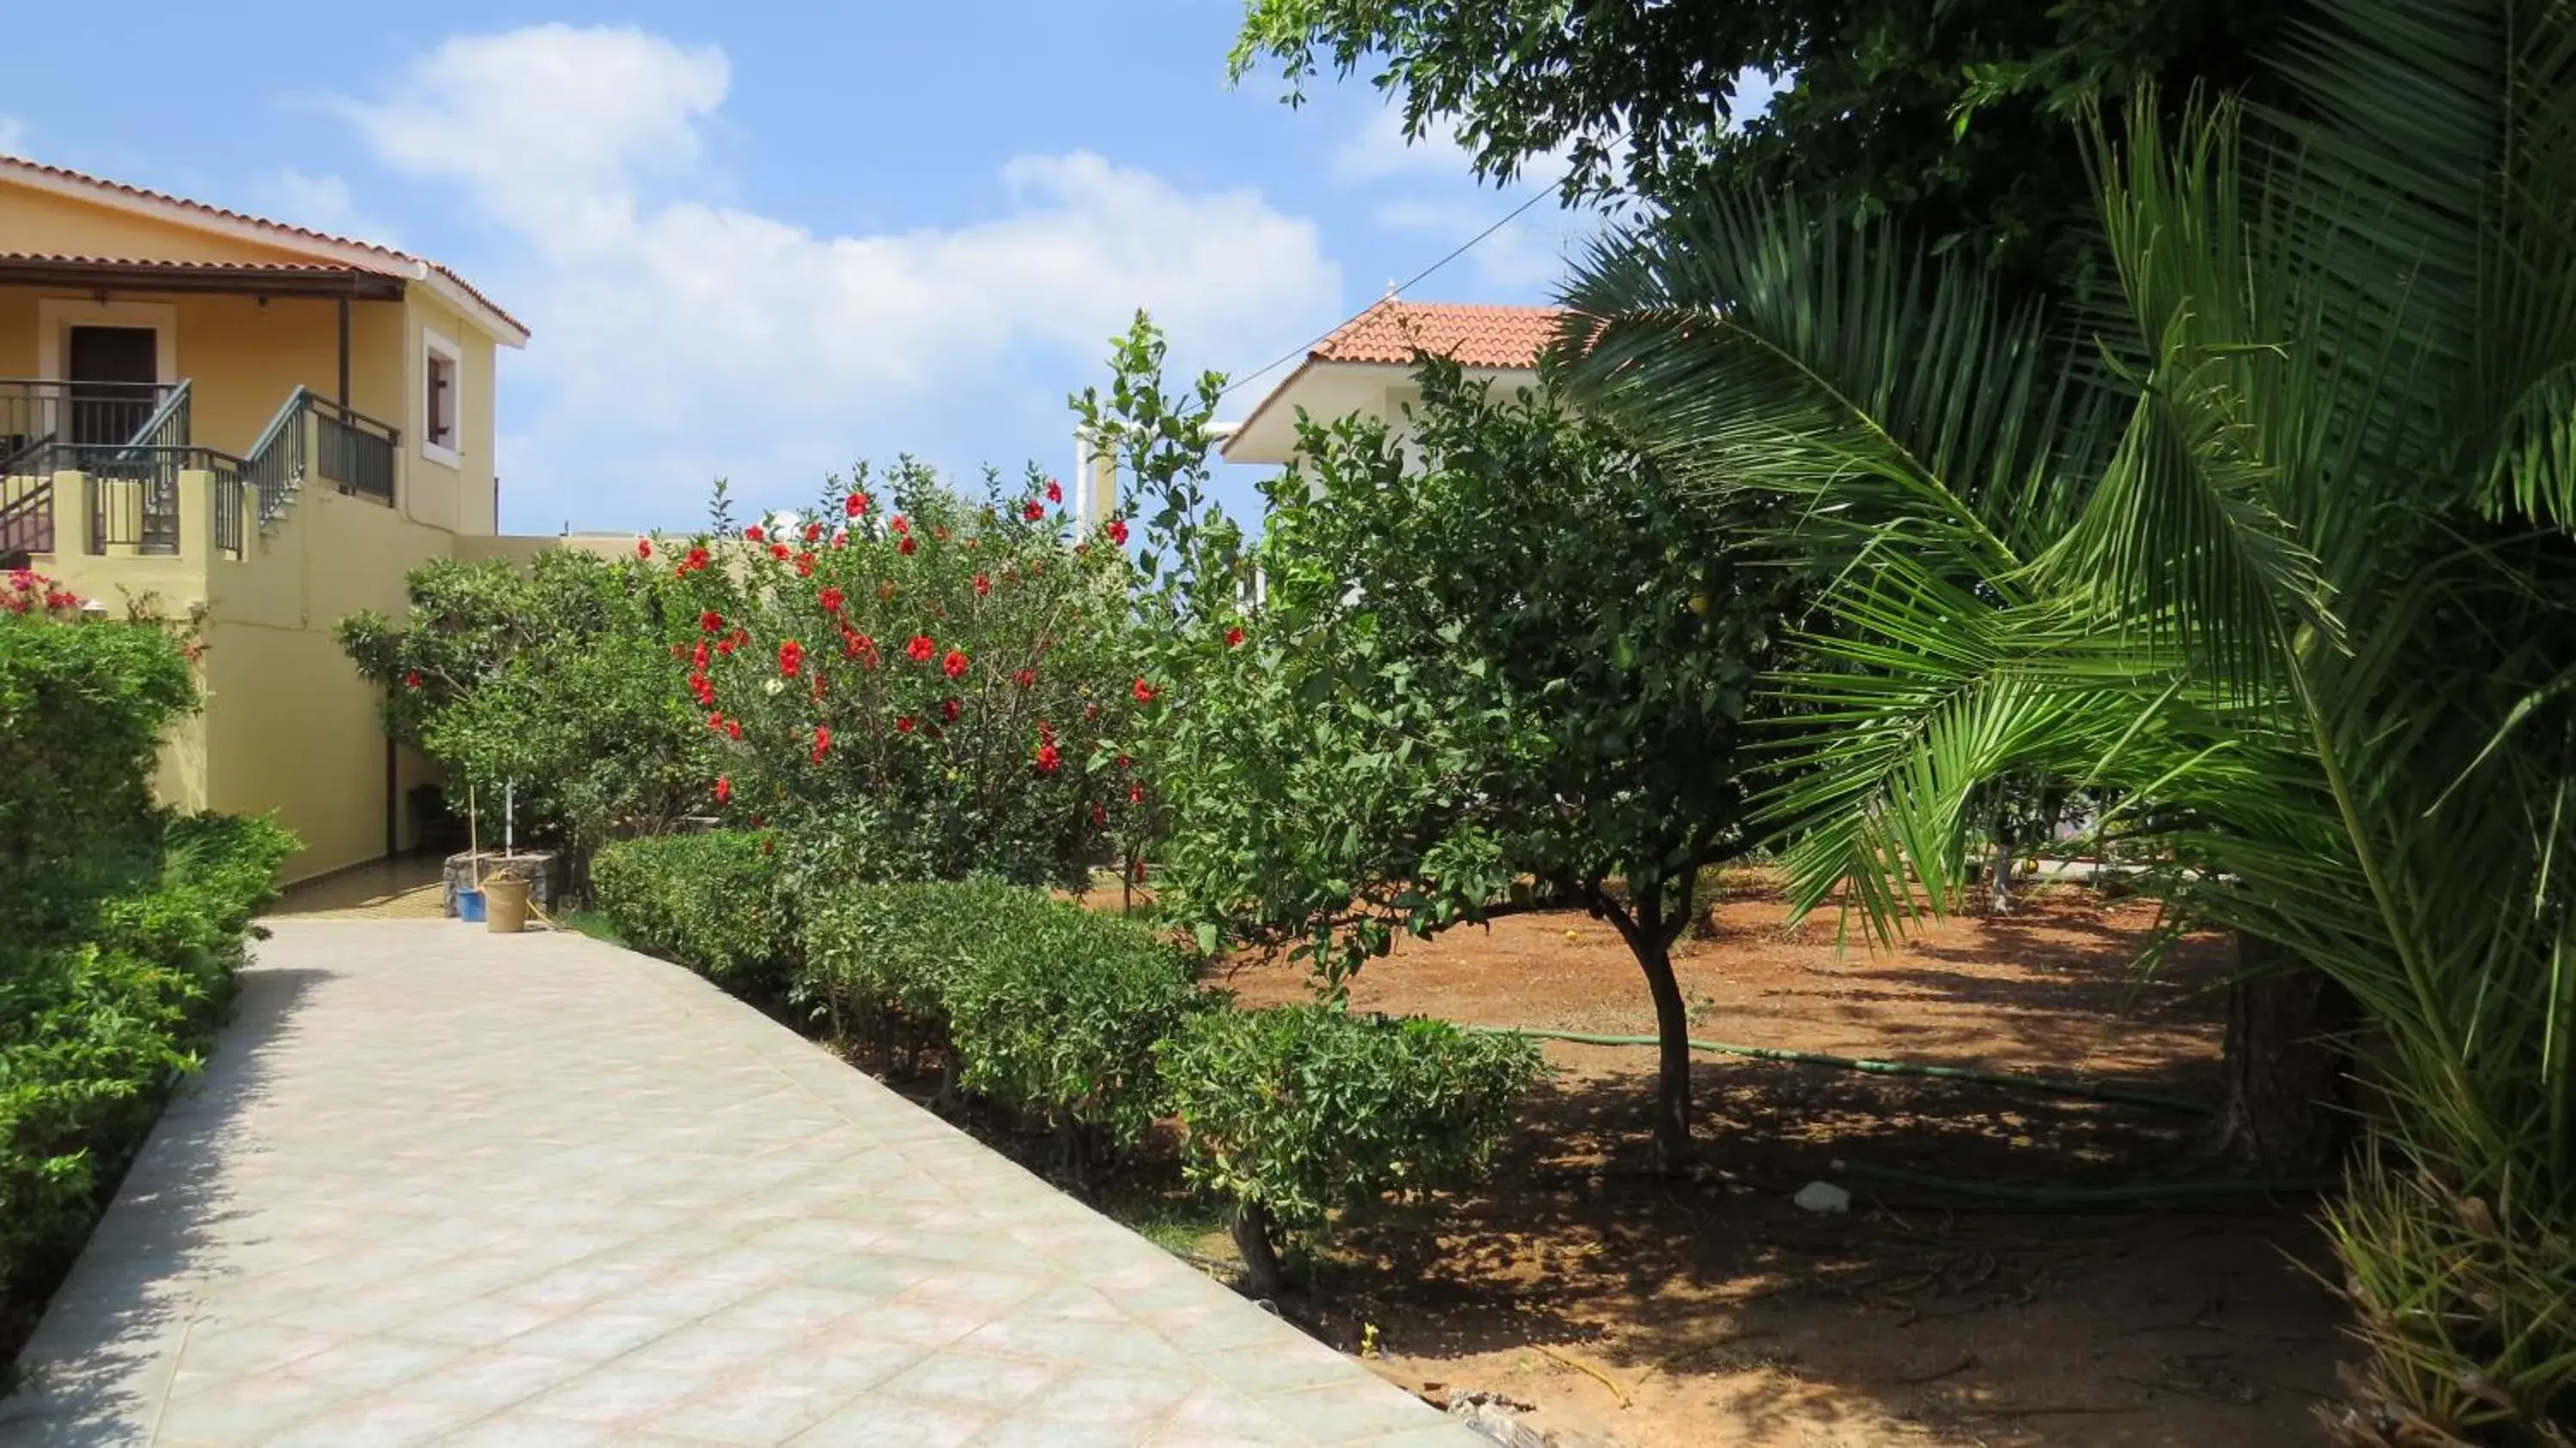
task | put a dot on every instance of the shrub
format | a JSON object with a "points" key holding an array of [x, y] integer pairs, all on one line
{"points": [[1293, 1112], [92, 1030], [82, 707], [1045, 1008], [706, 901], [913, 685]]}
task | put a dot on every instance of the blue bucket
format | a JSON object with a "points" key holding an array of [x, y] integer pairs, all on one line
{"points": [[469, 906]]}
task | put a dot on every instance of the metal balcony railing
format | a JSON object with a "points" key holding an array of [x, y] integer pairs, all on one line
{"points": [[132, 488]]}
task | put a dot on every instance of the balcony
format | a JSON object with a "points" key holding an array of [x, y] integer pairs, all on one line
{"points": [[108, 468]]}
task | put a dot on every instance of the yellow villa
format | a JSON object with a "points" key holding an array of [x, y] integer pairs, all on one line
{"points": [[206, 416]]}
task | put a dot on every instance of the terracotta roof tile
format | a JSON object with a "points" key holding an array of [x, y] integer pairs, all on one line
{"points": [[165, 264], [1472, 334], [304, 233]]}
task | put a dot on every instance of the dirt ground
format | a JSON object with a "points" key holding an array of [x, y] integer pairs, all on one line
{"points": [[1631, 1312]]}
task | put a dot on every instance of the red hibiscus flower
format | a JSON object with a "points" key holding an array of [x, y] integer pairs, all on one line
{"points": [[696, 561], [733, 728], [901, 525], [1048, 759], [855, 504], [1033, 510], [831, 599], [955, 664], [724, 789], [840, 537], [1125, 763], [791, 658], [949, 709], [903, 724], [698, 656], [1100, 814], [711, 622], [1055, 491], [1025, 678], [1234, 638], [411, 680], [822, 741], [778, 551], [905, 546], [805, 565], [1144, 692], [1117, 531], [753, 534], [643, 547], [921, 648], [983, 585], [813, 532], [1135, 794], [725, 646]]}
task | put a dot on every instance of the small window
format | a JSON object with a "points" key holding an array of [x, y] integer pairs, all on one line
{"points": [[439, 402]]}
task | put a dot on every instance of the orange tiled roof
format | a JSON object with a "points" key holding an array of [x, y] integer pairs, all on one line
{"points": [[1471, 334], [304, 233]]}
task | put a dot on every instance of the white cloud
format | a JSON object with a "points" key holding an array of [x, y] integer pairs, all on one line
{"points": [[678, 337], [13, 134], [321, 203], [1379, 149]]}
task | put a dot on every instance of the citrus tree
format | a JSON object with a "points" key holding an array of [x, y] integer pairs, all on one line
{"points": [[1495, 663], [555, 679]]}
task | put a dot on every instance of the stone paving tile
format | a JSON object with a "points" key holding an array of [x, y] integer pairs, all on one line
{"points": [[447, 1188]]}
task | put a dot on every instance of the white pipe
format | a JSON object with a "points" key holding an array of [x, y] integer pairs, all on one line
{"points": [[509, 820]]}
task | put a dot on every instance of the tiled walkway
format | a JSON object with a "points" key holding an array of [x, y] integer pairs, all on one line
{"points": [[441, 1186]]}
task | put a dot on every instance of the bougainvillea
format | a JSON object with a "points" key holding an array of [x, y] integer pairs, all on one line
{"points": [[922, 699]]}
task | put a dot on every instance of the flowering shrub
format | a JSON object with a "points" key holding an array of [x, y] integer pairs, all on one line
{"points": [[910, 684], [24, 591], [1294, 1112]]}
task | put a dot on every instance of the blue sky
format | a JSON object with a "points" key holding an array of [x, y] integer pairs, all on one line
{"points": [[765, 240]]}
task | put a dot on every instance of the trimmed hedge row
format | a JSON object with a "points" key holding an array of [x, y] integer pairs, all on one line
{"points": [[707, 901], [1091, 1026]]}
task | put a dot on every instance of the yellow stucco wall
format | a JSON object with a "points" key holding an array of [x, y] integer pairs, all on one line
{"points": [[51, 224], [288, 725]]}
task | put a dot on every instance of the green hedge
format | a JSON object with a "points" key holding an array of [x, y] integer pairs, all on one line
{"points": [[82, 708], [93, 1028], [1044, 1007], [1294, 1112], [707, 901]]}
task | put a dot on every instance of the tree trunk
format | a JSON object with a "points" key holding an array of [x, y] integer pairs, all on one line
{"points": [[1673, 1058], [2287, 1111], [1261, 1273]]}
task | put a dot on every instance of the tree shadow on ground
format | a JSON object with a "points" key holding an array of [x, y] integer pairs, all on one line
{"points": [[111, 1326], [1971, 1321]]}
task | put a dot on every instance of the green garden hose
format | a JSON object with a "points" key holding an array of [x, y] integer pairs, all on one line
{"points": [[2050, 1085]]}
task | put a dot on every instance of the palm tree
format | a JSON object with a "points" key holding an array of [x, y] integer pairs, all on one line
{"points": [[2272, 543]]}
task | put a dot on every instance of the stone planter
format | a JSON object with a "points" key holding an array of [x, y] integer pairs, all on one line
{"points": [[542, 869]]}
